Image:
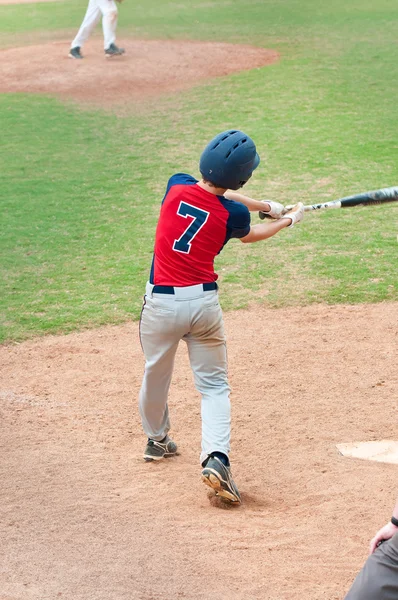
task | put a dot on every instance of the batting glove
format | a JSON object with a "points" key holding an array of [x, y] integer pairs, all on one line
{"points": [[296, 214], [275, 211]]}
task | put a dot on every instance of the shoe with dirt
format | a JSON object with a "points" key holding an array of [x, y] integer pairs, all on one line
{"points": [[217, 476], [113, 50], [157, 450], [75, 52]]}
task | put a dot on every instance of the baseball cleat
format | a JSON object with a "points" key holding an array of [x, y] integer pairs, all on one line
{"points": [[157, 450], [113, 50], [217, 476], [75, 52]]}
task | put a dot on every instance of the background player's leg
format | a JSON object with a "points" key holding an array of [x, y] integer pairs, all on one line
{"points": [[208, 357], [378, 579], [109, 21], [160, 333], [91, 18]]}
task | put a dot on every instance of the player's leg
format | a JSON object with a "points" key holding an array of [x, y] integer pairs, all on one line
{"points": [[378, 579], [109, 24], [160, 332], [208, 358], [91, 18]]}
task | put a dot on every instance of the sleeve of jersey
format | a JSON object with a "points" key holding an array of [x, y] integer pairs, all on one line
{"points": [[238, 224]]}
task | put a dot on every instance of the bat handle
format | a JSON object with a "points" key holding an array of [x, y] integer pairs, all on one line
{"points": [[290, 206], [264, 215]]}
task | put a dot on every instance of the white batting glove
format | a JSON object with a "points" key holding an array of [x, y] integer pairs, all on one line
{"points": [[276, 209], [296, 214]]}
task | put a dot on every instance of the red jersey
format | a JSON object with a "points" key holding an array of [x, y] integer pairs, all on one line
{"points": [[193, 227]]}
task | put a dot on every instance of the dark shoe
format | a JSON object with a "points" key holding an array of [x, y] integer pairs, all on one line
{"points": [[113, 50], [217, 476], [157, 450], [75, 52]]}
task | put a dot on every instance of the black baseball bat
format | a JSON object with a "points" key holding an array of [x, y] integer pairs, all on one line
{"points": [[365, 199]]}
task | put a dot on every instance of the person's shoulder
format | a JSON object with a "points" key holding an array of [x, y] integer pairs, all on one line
{"points": [[181, 179]]}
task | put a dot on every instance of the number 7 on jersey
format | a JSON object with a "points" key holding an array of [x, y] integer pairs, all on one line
{"points": [[199, 216]]}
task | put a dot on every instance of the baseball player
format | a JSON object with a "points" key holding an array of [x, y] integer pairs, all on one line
{"points": [[197, 219], [97, 8], [378, 579]]}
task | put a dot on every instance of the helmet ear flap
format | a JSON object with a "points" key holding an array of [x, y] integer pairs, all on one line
{"points": [[228, 161]]}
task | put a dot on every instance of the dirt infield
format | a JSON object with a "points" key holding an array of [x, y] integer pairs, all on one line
{"points": [[84, 517], [148, 69]]}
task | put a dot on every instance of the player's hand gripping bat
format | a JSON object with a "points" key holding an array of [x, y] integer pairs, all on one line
{"points": [[365, 199]]}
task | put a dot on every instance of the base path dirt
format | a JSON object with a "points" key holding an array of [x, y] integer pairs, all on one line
{"points": [[149, 68], [84, 517]]}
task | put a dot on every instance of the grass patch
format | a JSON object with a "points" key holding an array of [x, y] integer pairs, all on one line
{"points": [[80, 189]]}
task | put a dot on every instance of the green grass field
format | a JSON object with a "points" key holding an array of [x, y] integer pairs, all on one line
{"points": [[80, 189]]}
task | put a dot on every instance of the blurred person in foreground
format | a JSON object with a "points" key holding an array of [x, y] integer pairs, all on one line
{"points": [[378, 579]]}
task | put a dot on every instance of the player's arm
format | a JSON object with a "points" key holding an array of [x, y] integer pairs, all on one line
{"points": [[386, 532], [252, 205], [263, 231], [274, 209]]}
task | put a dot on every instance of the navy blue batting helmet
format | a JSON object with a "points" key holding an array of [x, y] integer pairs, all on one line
{"points": [[229, 160]]}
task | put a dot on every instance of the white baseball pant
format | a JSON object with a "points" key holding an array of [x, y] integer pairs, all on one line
{"points": [[195, 316], [97, 8]]}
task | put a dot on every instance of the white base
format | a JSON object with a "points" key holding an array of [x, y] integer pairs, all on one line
{"points": [[382, 450]]}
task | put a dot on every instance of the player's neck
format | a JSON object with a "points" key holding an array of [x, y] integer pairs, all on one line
{"points": [[211, 188]]}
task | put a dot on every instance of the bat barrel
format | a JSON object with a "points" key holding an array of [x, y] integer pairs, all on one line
{"points": [[369, 198]]}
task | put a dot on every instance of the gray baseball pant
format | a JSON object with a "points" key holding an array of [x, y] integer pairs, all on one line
{"points": [[195, 316], [378, 579]]}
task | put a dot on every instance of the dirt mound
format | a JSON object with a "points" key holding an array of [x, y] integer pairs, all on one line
{"points": [[84, 517], [149, 68], [3, 2]]}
